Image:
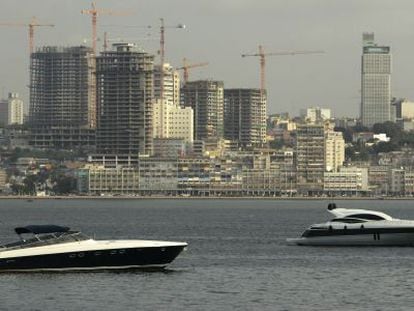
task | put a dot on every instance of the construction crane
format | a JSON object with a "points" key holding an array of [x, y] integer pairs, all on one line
{"points": [[32, 24], [162, 52], [262, 55], [94, 12], [122, 39], [187, 66]]}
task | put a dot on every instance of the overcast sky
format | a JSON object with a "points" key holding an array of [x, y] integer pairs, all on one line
{"points": [[220, 31]]}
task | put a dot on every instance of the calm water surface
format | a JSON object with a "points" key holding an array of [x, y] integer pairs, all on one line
{"points": [[237, 258]]}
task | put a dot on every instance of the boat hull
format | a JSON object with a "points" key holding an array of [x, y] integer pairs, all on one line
{"points": [[125, 258], [375, 239]]}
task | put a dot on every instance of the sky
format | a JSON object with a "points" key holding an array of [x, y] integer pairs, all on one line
{"points": [[219, 31]]}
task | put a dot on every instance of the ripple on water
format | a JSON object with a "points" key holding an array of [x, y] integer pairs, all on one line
{"points": [[236, 260]]}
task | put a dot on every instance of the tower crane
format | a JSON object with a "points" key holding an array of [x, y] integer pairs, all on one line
{"points": [[262, 56], [162, 52], [94, 12], [187, 66], [32, 24]]}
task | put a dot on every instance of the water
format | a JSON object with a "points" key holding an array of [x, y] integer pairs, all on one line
{"points": [[237, 258]]}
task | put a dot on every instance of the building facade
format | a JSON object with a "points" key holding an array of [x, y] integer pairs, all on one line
{"points": [[173, 121], [206, 98], [245, 116], [4, 112], [124, 100], [375, 82], [315, 114], [347, 180], [171, 88], [334, 148], [15, 109], [310, 156], [62, 112]]}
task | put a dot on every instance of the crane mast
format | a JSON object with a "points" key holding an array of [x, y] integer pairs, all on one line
{"points": [[94, 12]]}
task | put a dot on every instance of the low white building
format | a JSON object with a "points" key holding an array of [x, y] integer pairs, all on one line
{"points": [[15, 109], [346, 180], [382, 137], [315, 114], [171, 121]]}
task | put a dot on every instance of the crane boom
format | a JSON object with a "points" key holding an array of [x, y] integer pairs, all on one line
{"points": [[262, 55], [187, 66], [32, 24], [94, 12]]}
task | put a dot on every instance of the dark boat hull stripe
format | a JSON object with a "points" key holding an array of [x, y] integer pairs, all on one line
{"points": [[359, 231], [94, 259]]}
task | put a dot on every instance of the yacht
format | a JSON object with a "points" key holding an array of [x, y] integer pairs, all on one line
{"points": [[57, 248], [358, 227]]}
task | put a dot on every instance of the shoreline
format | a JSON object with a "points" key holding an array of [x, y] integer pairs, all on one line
{"points": [[161, 197]]}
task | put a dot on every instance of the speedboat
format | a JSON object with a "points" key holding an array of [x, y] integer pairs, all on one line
{"points": [[358, 227], [57, 248]]}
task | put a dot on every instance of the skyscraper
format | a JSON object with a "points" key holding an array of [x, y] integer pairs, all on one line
{"points": [[62, 99], [375, 82], [245, 116], [125, 97], [171, 84], [206, 99]]}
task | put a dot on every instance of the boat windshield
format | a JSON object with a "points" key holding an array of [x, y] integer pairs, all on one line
{"points": [[47, 239]]}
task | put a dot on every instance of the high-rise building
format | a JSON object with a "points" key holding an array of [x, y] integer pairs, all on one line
{"points": [[375, 82], [171, 84], [318, 149], [245, 116], [125, 100], [334, 148], [206, 99], [310, 156], [62, 108], [169, 119], [16, 109]]}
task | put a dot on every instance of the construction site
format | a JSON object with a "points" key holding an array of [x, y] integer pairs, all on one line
{"points": [[62, 98]]}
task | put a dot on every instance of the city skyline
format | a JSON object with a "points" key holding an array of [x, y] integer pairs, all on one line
{"points": [[331, 80]]}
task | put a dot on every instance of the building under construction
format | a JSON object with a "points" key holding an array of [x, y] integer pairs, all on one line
{"points": [[125, 97], [245, 116], [206, 99], [62, 98]]}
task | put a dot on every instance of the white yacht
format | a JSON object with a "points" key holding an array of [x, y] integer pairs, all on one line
{"points": [[358, 227], [57, 248]]}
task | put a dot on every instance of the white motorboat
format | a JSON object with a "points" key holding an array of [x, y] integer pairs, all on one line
{"points": [[358, 227], [57, 248]]}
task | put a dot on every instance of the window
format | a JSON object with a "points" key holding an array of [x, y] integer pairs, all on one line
{"points": [[348, 220], [367, 216]]}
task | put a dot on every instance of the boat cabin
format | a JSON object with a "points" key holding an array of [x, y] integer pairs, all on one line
{"points": [[44, 235]]}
